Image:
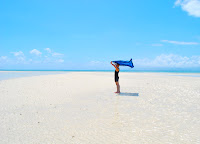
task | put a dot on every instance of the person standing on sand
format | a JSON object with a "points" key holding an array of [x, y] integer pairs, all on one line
{"points": [[116, 76]]}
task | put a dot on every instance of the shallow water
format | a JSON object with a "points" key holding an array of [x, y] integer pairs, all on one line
{"points": [[187, 75], [17, 74], [4, 75]]}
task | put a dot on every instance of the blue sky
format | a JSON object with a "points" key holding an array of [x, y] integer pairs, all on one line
{"points": [[88, 34]]}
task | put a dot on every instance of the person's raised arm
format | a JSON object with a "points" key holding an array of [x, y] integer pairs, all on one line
{"points": [[113, 65]]}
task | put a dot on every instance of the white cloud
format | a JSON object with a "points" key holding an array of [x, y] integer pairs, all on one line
{"points": [[170, 60], [54, 54], [60, 61], [57, 54], [18, 54], [158, 45], [20, 58], [178, 2], [53, 57], [36, 52], [180, 43], [190, 6], [48, 50]]}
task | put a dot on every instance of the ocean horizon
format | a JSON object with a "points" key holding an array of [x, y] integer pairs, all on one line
{"points": [[165, 71], [11, 74]]}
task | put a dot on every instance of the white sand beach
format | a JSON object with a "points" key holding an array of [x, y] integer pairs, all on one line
{"points": [[82, 108]]}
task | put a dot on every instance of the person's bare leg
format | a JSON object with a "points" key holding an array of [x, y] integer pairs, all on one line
{"points": [[118, 87]]}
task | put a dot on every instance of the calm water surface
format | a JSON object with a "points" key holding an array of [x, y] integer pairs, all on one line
{"points": [[17, 74]]}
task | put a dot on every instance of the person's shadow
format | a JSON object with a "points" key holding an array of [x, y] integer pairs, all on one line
{"points": [[128, 94]]}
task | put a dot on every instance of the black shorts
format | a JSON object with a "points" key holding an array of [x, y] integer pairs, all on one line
{"points": [[116, 79]]}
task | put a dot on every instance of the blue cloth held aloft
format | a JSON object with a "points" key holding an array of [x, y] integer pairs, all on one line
{"points": [[124, 63]]}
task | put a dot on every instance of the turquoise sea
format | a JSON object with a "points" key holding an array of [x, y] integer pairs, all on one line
{"points": [[10, 74], [4, 75]]}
